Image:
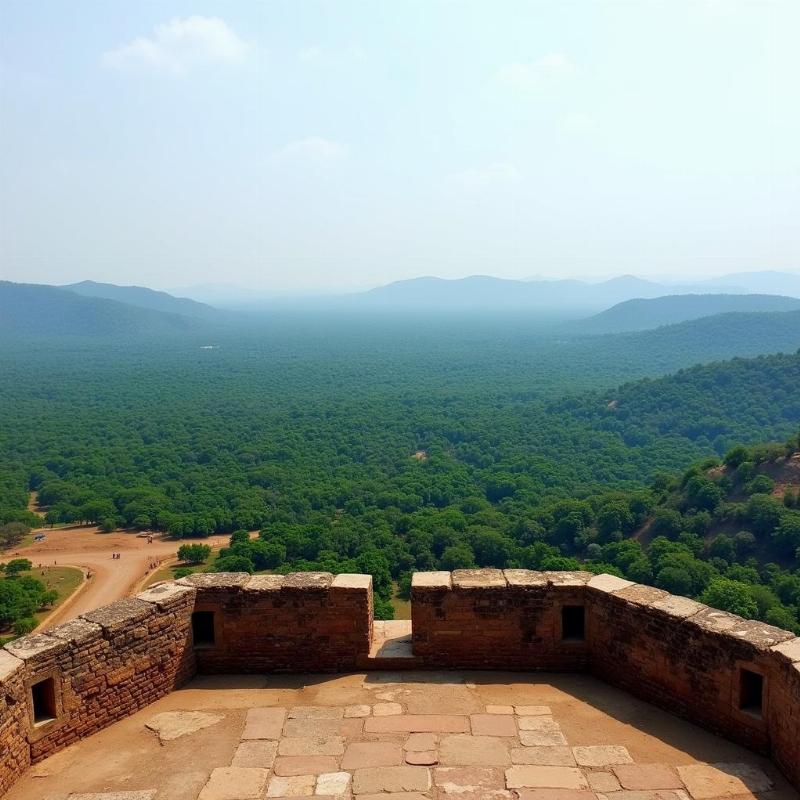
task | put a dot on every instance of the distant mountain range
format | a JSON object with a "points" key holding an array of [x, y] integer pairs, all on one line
{"points": [[143, 297], [640, 315], [551, 297], [32, 309]]}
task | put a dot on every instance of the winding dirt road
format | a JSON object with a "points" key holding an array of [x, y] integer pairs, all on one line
{"points": [[88, 548]]}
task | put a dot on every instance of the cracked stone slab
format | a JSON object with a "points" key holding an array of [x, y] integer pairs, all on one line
{"points": [[171, 725], [297, 786]]}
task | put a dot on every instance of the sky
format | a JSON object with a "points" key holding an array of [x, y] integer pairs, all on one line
{"points": [[305, 145]]}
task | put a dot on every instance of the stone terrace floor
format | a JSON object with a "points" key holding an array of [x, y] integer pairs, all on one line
{"points": [[407, 736]]}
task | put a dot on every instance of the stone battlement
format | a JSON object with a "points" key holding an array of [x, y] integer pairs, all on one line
{"points": [[738, 678]]}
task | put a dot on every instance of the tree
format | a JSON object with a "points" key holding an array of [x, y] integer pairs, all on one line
{"points": [[736, 455], [17, 565], [732, 596], [194, 553], [457, 557]]}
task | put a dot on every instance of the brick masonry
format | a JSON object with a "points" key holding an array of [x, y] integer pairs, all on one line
{"points": [[669, 650], [301, 622]]}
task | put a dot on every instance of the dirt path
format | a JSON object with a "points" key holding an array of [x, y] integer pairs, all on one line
{"points": [[87, 547], [33, 504]]}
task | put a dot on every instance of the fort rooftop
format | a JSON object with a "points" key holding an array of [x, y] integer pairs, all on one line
{"points": [[511, 684]]}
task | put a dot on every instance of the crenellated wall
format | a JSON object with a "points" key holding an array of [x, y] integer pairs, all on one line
{"points": [[740, 679], [302, 622], [692, 660]]}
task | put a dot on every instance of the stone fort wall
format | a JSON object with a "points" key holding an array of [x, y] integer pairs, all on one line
{"points": [[738, 678]]}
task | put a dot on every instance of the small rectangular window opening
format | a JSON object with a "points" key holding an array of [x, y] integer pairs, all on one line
{"points": [[751, 692], [203, 628], [573, 623], [44, 701]]}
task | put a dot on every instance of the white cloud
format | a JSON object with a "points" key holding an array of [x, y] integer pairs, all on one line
{"points": [[535, 75], [312, 148], [490, 175], [177, 46]]}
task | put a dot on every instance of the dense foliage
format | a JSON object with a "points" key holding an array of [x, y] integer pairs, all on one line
{"points": [[21, 596], [394, 445]]}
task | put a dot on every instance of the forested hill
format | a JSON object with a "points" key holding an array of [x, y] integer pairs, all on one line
{"points": [[143, 297], [644, 314], [34, 310]]}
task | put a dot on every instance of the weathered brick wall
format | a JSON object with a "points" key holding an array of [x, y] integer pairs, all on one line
{"points": [[301, 622], [671, 651], [107, 664], [15, 755], [682, 656], [784, 708], [496, 619]]}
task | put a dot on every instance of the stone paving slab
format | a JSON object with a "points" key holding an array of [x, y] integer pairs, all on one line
{"points": [[470, 783], [291, 766], [712, 781], [316, 712], [264, 723], [391, 779], [316, 746], [297, 786], [603, 755], [235, 783], [255, 753], [542, 738], [493, 725], [521, 777], [554, 756], [418, 723], [372, 754], [461, 750], [647, 776], [146, 794]]}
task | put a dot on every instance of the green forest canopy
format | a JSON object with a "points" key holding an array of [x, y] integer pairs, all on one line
{"points": [[533, 453]]}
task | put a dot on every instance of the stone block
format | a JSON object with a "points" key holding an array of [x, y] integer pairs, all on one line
{"points": [[641, 595], [351, 582], [77, 631], [216, 580], [167, 594], [788, 650], [577, 578], [264, 723], [124, 614], [474, 751], [608, 583], [265, 583], [681, 607], [525, 578], [604, 755], [37, 647], [428, 581], [308, 581], [9, 665], [479, 579]]}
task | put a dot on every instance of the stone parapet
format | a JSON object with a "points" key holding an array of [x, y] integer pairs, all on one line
{"points": [[300, 622], [498, 619], [739, 678]]}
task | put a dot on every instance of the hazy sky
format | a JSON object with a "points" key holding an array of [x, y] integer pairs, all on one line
{"points": [[304, 144]]}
